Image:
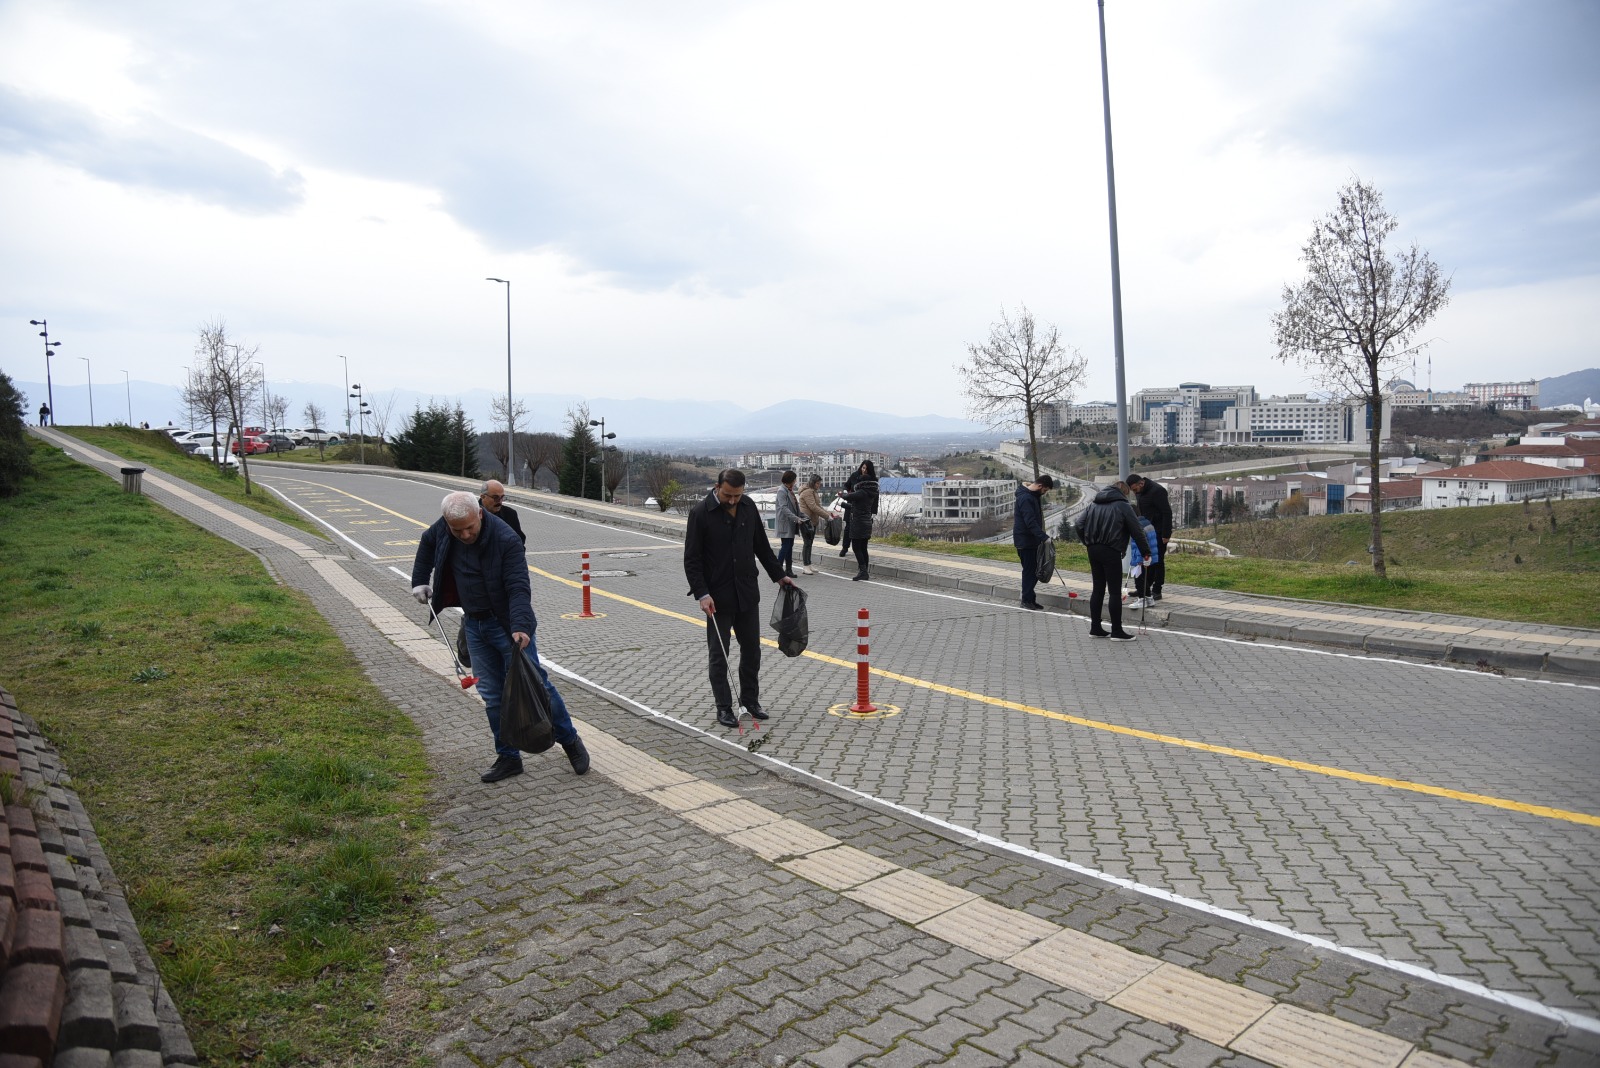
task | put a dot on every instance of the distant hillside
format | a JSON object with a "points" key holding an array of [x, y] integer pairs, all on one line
{"points": [[1462, 424], [1575, 388]]}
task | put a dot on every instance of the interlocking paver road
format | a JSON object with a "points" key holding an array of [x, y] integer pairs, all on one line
{"points": [[1216, 805]]}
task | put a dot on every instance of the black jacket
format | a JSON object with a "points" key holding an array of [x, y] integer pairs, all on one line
{"points": [[863, 501], [1027, 523], [1156, 507], [510, 597], [1109, 520], [720, 553], [508, 516]]}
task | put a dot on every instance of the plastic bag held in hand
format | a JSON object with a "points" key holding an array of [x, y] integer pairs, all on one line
{"points": [[423, 594]]}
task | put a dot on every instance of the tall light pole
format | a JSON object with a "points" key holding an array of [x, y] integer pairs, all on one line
{"points": [[49, 387], [127, 384], [361, 415], [601, 423], [1116, 265], [346, 398], [511, 467], [88, 375], [266, 420]]}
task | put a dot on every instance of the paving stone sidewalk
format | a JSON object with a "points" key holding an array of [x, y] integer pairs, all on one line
{"points": [[687, 900]]}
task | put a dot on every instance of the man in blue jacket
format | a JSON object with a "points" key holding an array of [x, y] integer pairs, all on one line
{"points": [[470, 559], [1028, 533], [725, 538]]}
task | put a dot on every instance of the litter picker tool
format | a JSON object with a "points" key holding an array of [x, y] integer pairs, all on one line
{"points": [[727, 666], [468, 680]]}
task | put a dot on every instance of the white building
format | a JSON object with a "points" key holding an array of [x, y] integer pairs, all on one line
{"points": [[1403, 394], [1521, 396], [1298, 420], [1052, 419], [1173, 424], [960, 501], [1500, 482]]}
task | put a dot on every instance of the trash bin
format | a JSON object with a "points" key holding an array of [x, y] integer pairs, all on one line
{"points": [[130, 479]]}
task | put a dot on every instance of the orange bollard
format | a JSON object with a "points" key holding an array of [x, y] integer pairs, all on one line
{"points": [[587, 612], [863, 701]]}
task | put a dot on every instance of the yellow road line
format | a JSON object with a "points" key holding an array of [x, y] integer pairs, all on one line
{"points": [[1565, 815]]}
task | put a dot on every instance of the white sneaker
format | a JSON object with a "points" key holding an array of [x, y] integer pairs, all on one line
{"points": [[806, 570]]}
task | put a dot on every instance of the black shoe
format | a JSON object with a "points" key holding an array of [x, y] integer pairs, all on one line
{"points": [[503, 768], [757, 712], [1099, 634], [725, 718], [1123, 636], [1156, 596], [861, 577], [1033, 606], [577, 755]]}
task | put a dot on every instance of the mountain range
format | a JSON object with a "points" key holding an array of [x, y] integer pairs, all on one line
{"points": [[636, 421]]}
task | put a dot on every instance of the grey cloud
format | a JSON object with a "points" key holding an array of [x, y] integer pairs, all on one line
{"points": [[523, 154], [150, 153]]}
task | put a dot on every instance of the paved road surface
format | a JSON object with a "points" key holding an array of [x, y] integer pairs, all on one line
{"points": [[1446, 820]]}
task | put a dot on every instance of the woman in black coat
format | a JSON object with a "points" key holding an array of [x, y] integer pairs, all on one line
{"points": [[862, 498]]}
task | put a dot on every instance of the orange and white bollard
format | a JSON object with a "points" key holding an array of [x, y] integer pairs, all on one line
{"points": [[587, 612], [863, 701]]}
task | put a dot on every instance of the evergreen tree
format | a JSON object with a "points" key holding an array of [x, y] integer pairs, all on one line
{"points": [[579, 477], [16, 461], [437, 439]]}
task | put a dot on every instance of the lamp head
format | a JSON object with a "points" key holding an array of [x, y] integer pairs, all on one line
{"points": [[35, 322], [502, 281]]}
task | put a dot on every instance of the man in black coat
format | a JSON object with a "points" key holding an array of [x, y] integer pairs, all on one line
{"points": [[1028, 533], [1155, 506], [492, 496], [725, 538]]}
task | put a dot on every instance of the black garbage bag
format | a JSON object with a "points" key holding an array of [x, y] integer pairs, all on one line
{"points": [[790, 621], [1046, 559], [833, 530], [461, 646], [525, 708]]}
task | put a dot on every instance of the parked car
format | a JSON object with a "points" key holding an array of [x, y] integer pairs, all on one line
{"points": [[200, 441], [252, 445], [313, 436], [279, 443]]}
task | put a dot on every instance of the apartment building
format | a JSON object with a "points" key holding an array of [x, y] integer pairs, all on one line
{"points": [[960, 501], [1297, 419]]}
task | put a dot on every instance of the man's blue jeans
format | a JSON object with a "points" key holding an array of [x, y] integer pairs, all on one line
{"points": [[492, 648]]}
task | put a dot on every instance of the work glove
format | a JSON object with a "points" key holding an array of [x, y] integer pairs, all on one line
{"points": [[423, 594]]}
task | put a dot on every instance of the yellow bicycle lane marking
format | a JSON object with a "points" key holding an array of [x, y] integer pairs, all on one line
{"points": [[1546, 811], [1565, 815]]}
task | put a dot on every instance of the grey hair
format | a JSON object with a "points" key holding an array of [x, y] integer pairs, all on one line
{"points": [[483, 487], [459, 505]]}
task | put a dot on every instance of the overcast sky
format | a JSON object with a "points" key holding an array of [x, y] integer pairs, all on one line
{"points": [[765, 200]]}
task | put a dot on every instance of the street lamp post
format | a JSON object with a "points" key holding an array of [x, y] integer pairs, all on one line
{"points": [[49, 387], [361, 416], [346, 398], [511, 467], [1116, 265], [601, 423], [88, 375], [127, 384]]}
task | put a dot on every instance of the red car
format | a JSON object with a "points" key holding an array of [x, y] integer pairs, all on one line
{"points": [[252, 445]]}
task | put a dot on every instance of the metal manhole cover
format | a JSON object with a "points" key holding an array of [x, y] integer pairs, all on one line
{"points": [[626, 556], [610, 574]]}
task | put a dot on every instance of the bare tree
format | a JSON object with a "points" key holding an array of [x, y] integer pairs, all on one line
{"points": [[660, 480], [497, 424], [1017, 372], [539, 451], [237, 375], [382, 414], [202, 395], [1356, 315], [613, 469], [313, 414], [277, 410]]}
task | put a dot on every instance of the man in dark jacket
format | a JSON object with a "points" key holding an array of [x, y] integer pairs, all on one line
{"points": [[470, 559], [1028, 533], [1155, 506], [492, 496], [725, 537], [1104, 528]]}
